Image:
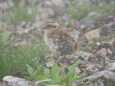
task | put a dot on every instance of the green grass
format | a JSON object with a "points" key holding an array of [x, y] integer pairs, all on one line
{"points": [[79, 11], [101, 39], [1, 30], [13, 60], [98, 40], [18, 14], [53, 76]]}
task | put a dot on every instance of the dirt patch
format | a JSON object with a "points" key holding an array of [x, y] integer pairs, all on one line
{"points": [[1, 84]]}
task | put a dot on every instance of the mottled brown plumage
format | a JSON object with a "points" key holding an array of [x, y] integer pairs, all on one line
{"points": [[59, 40]]}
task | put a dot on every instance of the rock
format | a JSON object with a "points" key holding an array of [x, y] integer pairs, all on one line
{"points": [[105, 30], [113, 27], [23, 43], [6, 5], [109, 45], [112, 68], [109, 51], [102, 78], [99, 78], [85, 55], [22, 31], [79, 55], [49, 64], [102, 52], [92, 34], [46, 13], [15, 81], [105, 45], [112, 43], [50, 9], [58, 3], [1, 84], [25, 32], [77, 70], [91, 2], [88, 22], [73, 59], [93, 44], [93, 14]]}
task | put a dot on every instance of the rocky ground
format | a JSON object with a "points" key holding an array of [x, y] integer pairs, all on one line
{"points": [[1, 84], [96, 43]]}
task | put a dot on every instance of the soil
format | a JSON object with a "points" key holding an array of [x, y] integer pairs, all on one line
{"points": [[1, 84]]}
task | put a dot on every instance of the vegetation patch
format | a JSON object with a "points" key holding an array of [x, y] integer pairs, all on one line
{"points": [[60, 75], [13, 59], [18, 14]]}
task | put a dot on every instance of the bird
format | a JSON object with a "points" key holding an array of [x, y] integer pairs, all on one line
{"points": [[59, 40]]}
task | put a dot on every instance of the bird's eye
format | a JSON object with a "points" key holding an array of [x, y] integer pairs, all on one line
{"points": [[50, 26]]}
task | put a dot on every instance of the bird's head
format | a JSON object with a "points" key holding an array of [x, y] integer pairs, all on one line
{"points": [[50, 26]]}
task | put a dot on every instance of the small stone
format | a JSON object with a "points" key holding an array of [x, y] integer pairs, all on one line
{"points": [[44, 16], [2, 84], [85, 55], [15, 81], [102, 52], [58, 3], [49, 64], [92, 34], [113, 43], [105, 30], [23, 24], [77, 70], [112, 68], [92, 44], [88, 22], [82, 26], [94, 14], [109, 51]]}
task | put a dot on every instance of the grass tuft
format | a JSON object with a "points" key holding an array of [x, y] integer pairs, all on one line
{"points": [[13, 60], [18, 14]]}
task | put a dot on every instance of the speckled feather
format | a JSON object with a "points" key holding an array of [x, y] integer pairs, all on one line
{"points": [[62, 41]]}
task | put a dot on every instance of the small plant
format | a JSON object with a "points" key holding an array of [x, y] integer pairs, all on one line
{"points": [[1, 30], [13, 59], [18, 14], [77, 12], [4, 38], [54, 76], [81, 11], [37, 74], [107, 38]]}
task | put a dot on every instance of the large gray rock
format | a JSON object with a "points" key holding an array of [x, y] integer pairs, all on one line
{"points": [[101, 78], [91, 2], [15, 81]]}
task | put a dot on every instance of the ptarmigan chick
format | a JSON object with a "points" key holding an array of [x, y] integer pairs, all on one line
{"points": [[59, 40]]}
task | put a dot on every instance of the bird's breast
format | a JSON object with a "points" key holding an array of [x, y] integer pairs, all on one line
{"points": [[61, 42]]}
